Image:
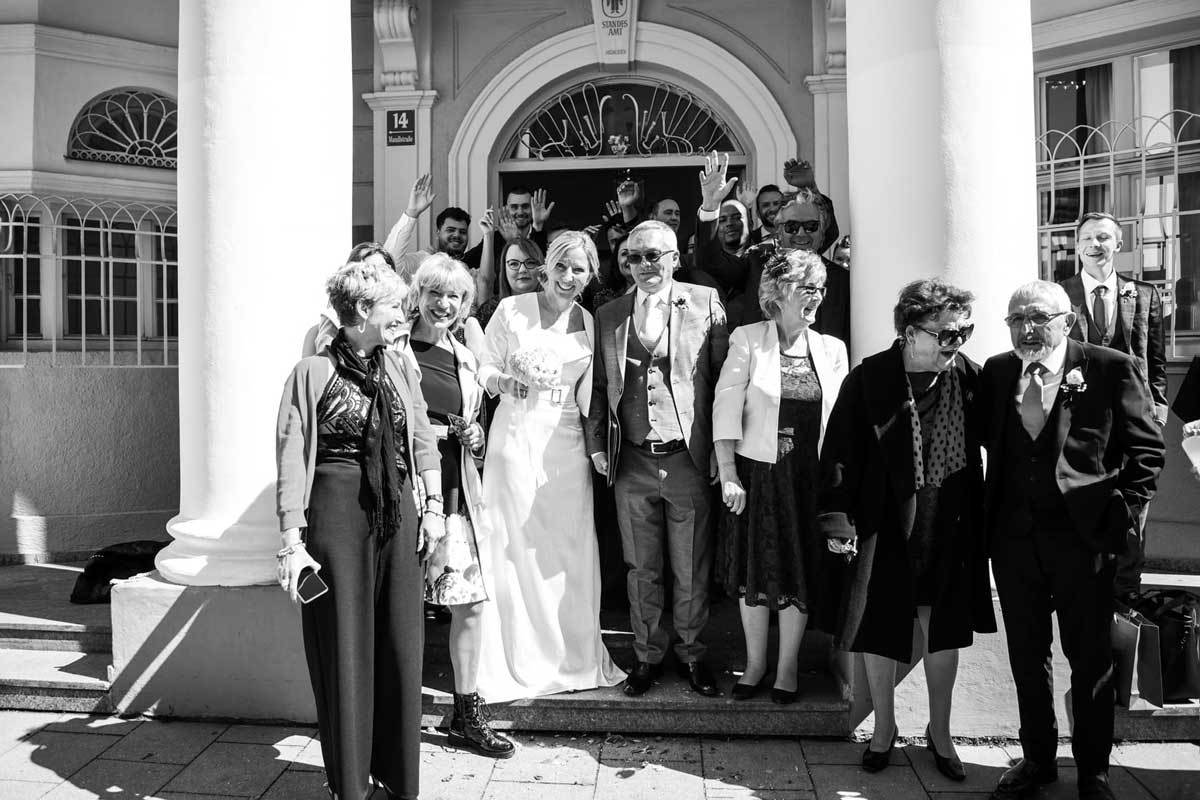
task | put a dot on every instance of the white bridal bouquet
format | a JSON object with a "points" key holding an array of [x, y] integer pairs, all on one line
{"points": [[536, 367]]}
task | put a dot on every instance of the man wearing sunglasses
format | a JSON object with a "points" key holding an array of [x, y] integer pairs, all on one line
{"points": [[800, 225], [659, 351], [1074, 454], [1127, 315]]}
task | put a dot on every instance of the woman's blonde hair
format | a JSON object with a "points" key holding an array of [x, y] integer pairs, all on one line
{"points": [[571, 240], [362, 282], [443, 273], [783, 273]]}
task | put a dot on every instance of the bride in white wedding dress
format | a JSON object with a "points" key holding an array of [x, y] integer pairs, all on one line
{"points": [[536, 535]]}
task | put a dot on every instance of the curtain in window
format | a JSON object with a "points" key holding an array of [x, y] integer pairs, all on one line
{"points": [[1096, 101], [1185, 90]]}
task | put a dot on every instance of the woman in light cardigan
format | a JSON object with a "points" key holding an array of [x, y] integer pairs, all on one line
{"points": [[352, 436], [776, 390]]}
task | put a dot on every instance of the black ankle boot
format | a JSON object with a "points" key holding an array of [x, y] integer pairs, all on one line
{"points": [[469, 728]]}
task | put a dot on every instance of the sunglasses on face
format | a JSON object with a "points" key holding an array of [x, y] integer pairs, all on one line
{"points": [[793, 226], [1038, 320], [529, 264], [948, 336], [633, 258]]}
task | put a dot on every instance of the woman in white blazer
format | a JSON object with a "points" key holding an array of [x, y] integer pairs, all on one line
{"points": [[442, 293], [776, 390]]}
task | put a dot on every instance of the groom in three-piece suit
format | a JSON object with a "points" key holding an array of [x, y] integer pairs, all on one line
{"points": [[1074, 455], [659, 352], [1127, 315]]}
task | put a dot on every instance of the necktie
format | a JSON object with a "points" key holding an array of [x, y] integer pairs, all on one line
{"points": [[1100, 312], [652, 324], [1033, 415]]}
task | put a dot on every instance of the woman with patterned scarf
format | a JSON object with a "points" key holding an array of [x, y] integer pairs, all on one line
{"points": [[352, 438], [900, 503]]}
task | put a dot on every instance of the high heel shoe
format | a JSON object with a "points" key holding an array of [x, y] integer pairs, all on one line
{"points": [[950, 766], [876, 762], [744, 691]]}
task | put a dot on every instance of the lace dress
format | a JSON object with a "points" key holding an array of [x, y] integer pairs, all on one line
{"points": [[767, 552]]}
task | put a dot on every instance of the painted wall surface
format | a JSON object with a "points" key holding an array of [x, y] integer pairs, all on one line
{"points": [[362, 48], [1043, 10], [88, 457], [149, 21], [16, 123], [472, 41]]}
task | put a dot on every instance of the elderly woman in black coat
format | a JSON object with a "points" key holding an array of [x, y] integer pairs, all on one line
{"points": [[902, 484]]}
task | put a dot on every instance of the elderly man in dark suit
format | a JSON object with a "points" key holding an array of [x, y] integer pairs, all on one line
{"points": [[1073, 456], [659, 352], [1125, 314]]}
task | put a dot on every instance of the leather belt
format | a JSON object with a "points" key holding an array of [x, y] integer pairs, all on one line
{"points": [[662, 448]]}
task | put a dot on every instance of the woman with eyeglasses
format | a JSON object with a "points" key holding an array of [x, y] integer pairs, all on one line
{"points": [[520, 261], [900, 502], [774, 396]]}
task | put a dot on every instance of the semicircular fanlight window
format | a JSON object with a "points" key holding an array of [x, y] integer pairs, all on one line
{"points": [[128, 126]]}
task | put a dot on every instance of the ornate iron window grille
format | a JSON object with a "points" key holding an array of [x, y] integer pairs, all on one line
{"points": [[618, 119], [128, 126]]}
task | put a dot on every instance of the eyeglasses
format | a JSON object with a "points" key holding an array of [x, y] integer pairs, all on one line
{"points": [[529, 264], [948, 336], [793, 226], [812, 291], [1038, 320], [633, 258]]}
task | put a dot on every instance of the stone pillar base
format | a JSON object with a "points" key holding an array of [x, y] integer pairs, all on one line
{"points": [[207, 651]]}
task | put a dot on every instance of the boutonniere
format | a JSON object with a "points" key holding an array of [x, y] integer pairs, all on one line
{"points": [[1073, 384], [680, 303], [1128, 292]]}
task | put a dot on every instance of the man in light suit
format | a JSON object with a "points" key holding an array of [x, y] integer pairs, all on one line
{"points": [[1127, 315], [659, 352], [1073, 456]]}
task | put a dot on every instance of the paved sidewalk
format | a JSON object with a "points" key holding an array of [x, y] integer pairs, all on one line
{"points": [[59, 756]]}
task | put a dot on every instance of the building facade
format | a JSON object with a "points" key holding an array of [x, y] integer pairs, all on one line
{"points": [[569, 96]]}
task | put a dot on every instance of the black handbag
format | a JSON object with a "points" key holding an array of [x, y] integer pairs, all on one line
{"points": [[1177, 615]]}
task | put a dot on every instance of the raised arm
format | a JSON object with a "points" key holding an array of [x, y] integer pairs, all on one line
{"points": [[420, 197]]}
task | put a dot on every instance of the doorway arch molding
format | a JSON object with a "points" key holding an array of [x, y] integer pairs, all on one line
{"points": [[719, 77]]}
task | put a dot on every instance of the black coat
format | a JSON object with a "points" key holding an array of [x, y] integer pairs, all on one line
{"points": [[868, 485]]}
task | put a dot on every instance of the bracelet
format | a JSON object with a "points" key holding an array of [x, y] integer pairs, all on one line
{"points": [[429, 498], [291, 548], [437, 514]]}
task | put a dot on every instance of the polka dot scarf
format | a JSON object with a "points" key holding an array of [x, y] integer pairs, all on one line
{"points": [[948, 445]]}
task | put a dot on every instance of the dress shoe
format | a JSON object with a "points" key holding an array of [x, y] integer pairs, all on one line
{"points": [[1023, 779], [700, 678], [950, 766], [744, 691], [873, 761], [1095, 787], [640, 678]]}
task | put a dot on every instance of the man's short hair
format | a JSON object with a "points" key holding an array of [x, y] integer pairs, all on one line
{"points": [[1091, 216], [521, 189], [455, 213], [770, 187], [655, 225], [1049, 292]]}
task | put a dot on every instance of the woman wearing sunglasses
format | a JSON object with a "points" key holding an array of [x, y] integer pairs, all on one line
{"points": [[777, 387], [901, 493]]}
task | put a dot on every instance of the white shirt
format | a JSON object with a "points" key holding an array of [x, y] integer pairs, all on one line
{"points": [[661, 298], [1052, 376], [1110, 299]]}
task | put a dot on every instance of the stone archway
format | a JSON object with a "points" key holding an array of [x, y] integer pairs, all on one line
{"points": [[769, 139]]}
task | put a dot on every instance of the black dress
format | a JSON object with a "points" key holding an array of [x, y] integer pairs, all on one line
{"points": [[927, 538], [768, 552], [363, 638], [452, 573]]}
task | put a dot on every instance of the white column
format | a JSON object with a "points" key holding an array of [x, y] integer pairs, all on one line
{"points": [[398, 163], [941, 126], [264, 217]]}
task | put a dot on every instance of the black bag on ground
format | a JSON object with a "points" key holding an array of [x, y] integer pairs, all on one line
{"points": [[1177, 615], [111, 563]]}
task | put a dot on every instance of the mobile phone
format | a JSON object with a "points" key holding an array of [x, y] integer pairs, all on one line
{"points": [[310, 586]]}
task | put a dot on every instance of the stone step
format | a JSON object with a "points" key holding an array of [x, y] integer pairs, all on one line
{"points": [[65, 636], [54, 680], [669, 707]]}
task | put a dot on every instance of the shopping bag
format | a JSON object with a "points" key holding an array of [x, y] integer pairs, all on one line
{"points": [[1177, 615], [1138, 661]]}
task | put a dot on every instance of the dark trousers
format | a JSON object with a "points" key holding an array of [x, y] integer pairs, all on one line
{"points": [[363, 640], [1131, 562], [1052, 571], [664, 501]]}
